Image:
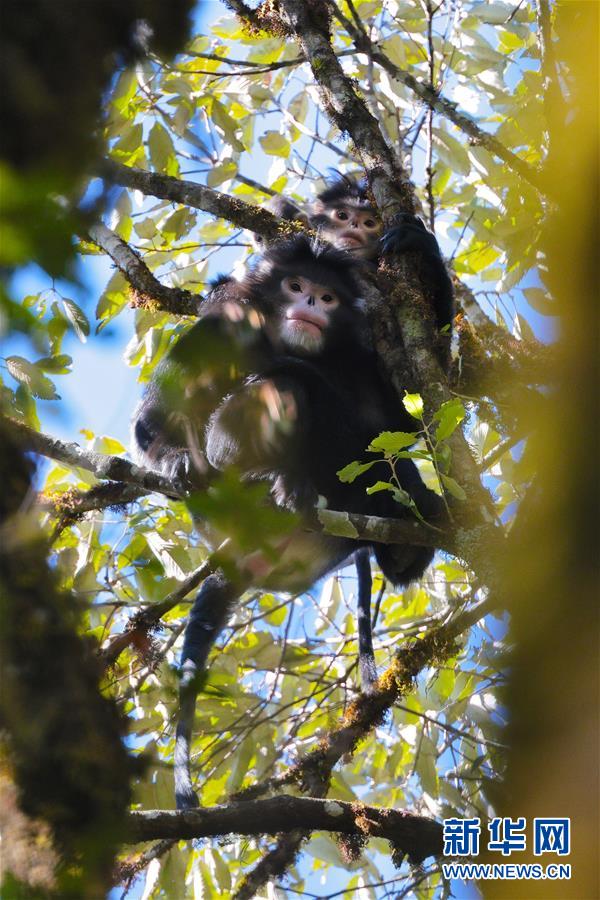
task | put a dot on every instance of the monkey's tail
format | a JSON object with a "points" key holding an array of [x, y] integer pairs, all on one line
{"points": [[208, 617], [366, 656]]}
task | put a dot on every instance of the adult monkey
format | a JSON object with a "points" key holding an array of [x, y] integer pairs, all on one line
{"points": [[344, 214], [306, 397]]}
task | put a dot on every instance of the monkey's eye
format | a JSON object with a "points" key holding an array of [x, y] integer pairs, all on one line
{"points": [[295, 287], [340, 214], [327, 298], [370, 223]]}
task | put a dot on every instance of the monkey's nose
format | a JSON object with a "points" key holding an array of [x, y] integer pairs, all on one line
{"points": [[311, 301]]}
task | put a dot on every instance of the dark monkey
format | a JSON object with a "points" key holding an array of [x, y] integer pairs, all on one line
{"points": [[306, 399], [345, 216]]}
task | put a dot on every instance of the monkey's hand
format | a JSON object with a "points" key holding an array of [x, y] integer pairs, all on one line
{"points": [[409, 233], [253, 428], [175, 464]]}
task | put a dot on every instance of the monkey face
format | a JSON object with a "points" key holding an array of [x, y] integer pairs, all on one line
{"points": [[307, 313], [350, 227]]}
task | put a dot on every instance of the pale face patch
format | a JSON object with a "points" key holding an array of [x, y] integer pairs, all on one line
{"points": [[353, 228], [308, 313]]}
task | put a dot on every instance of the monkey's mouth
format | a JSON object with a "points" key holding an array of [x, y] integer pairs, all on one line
{"points": [[347, 239], [306, 322]]}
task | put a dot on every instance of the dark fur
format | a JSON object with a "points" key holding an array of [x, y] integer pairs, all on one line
{"points": [[186, 424], [343, 188], [407, 233], [285, 209]]}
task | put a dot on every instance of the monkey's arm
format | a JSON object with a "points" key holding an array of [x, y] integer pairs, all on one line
{"points": [[158, 437], [208, 362], [409, 233], [256, 427]]}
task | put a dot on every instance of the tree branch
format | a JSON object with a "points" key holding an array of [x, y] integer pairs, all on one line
{"points": [[146, 619], [72, 504], [416, 836], [313, 770], [198, 196], [391, 187], [144, 283], [63, 740], [101, 465], [434, 100], [115, 468]]}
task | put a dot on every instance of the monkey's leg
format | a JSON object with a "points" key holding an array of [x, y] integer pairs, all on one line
{"points": [[208, 617], [366, 656]]}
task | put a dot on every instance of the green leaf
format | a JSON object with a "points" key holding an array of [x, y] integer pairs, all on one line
{"points": [[479, 256], [522, 329], [27, 374], [58, 365], [173, 558], [227, 124], [278, 612], [275, 144], [109, 445], [298, 107], [178, 224], [449, 416], [510, 41], [162, 152], [453, 487], [404, 498], [391, 442], [350, 472], [493, 13], [381, 486], [413, 404], [77, 318], [225, 171], [146, 228], [130, 140], [124, 90], [26, 406], [113, 300], [426, 766], [451, 152]]}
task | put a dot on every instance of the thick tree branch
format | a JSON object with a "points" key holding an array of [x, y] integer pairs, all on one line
{"points": [[62, 739], [390, 185], [198, 196], [384, 531], [145, 285], [392, 191], [115, 468], [72, 504], [416, 836]]}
